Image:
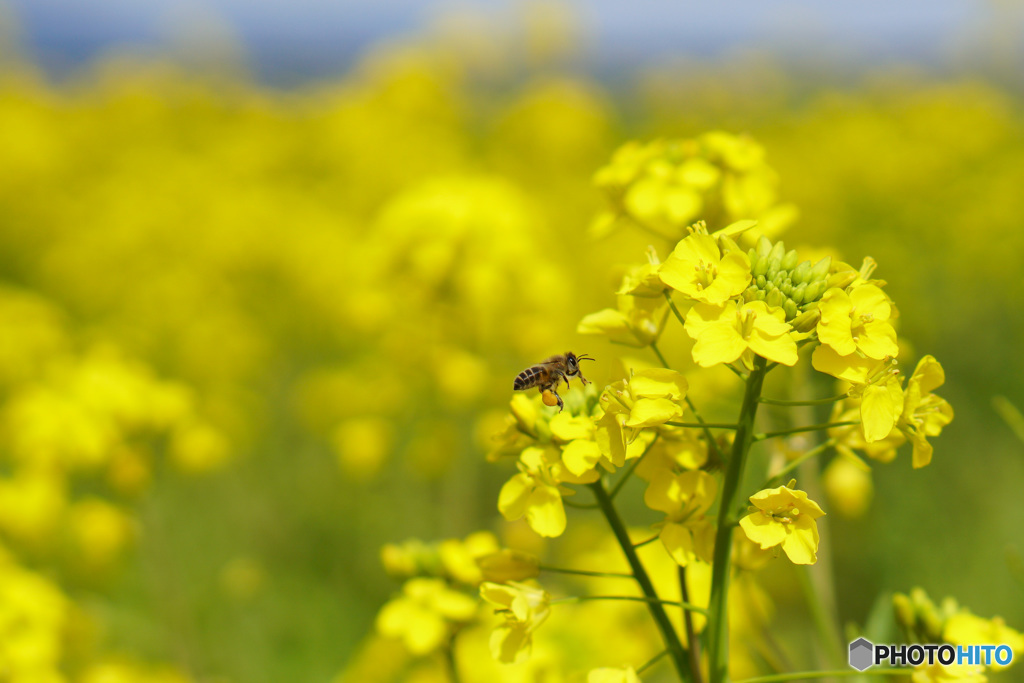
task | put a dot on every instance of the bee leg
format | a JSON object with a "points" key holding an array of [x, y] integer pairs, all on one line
{"points": [[560, 403]]}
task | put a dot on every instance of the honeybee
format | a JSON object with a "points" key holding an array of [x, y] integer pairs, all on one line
{"points": [[547, 374]]}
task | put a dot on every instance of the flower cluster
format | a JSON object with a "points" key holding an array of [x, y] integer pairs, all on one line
{"points": [[925, 622], [750, 310], [666, 185]]}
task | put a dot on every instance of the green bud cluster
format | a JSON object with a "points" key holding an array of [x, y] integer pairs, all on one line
{"points": [[920, 618], [781, 280]]}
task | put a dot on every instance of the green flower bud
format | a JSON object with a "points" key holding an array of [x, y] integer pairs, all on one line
{"points": [[931, 625], [760, 281], [904, 610], [790, 260], [775, 298], [798, 293], [841, 280], [778, 278], [758, 266], [801, 273], [820, 269], [764, 247], [815, 290], [776, 254], [806, 321], [789, 306], [760, 295], [786, 287]]}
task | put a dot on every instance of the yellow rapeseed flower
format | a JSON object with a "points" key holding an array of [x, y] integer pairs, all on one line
{"points": [[535, 492], [857, 321], [422, 615], [684, 498], [698, 269], [648, 398], [964, 628], [785, 517], [524, 608], [637, 321], [726, 333], [924, 413]]}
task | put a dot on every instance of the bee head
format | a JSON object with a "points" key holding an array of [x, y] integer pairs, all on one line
{"points": [[572, 361]]}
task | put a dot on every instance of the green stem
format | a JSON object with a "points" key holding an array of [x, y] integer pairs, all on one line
{"points": [[580, 506], [718, 623], [657, 352], [712, 444], [651, 662], [813, 402], [828, 631], [668, 632], [780, 476], [630, 598], [672, 305], [806, 675], [691, 634], [799, 430], [704, 425], [584, 572], [736, 371], [644, 542], [625, 476], [449, 658]]}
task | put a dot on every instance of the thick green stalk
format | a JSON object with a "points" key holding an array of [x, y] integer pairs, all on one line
{"points": [[668, 632], [718, 621]]}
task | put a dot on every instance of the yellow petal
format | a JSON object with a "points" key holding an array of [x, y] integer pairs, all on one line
{"points": [[801, 542], [703, 316], [929, 374], [878, 340], [608, 322], [648, 412], [662, 493], [510, 644], [870, 299], [763, 530], [658, 383], [853, 368], [718, 344], [545, 513], [678, 541], [581, 456], [780, 349], [566, 427], [880, 406], [514, 496]]}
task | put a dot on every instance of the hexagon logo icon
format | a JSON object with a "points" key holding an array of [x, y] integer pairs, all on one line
{"points": [[861, 654]]}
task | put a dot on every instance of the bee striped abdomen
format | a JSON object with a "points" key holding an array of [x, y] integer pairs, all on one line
{"points": [[530, 377]]}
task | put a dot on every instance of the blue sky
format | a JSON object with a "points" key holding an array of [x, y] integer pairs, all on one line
{"points": [[318, 37]]}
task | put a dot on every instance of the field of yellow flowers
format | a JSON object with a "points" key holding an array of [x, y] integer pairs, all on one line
{"points": [[256, 346]]}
